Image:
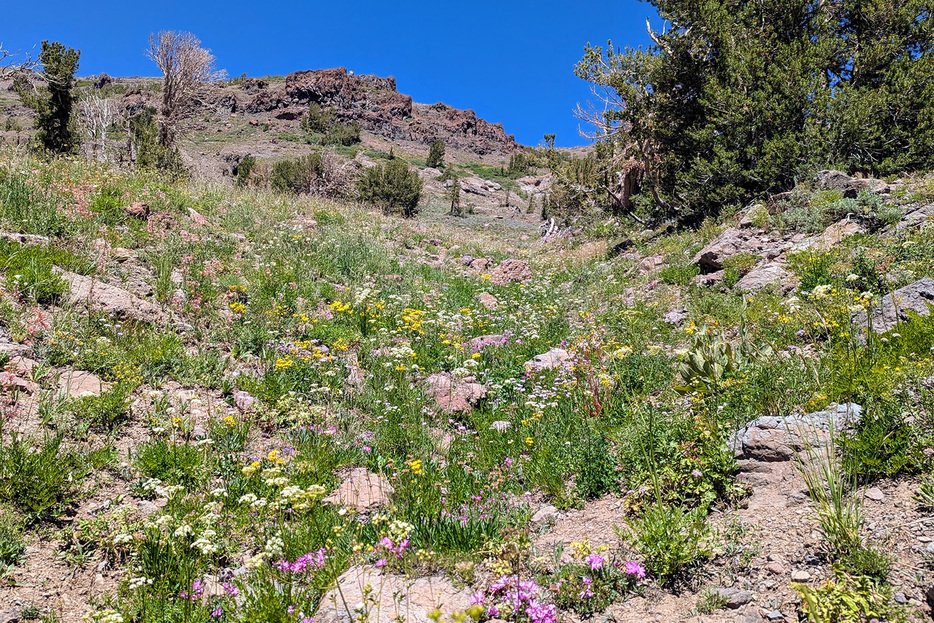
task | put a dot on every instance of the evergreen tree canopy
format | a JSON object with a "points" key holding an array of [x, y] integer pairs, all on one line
{"points": [[738, 98], [53, 107]]}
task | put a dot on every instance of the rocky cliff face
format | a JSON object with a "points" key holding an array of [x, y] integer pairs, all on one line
{"points": [[378, 107]]}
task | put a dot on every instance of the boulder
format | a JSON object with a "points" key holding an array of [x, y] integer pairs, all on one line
{"points": [[479, 186], [915, 217], [390, 597], [849, 186], [487, 300], [77, 384], [555, 358], [732, 241], [775, 438], [361, 489], [510, 271], [895, 307], [109, 299], [453, 395], [763, 275]]}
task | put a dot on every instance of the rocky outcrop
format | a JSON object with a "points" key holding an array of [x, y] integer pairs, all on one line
{"points": [[555, 358], [734, 241], [509, 271], [764, 275], [915, 298], [376, 104]]}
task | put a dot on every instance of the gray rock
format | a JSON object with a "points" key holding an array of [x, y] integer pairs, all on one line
{"points": [[917, 297], [676, 316], [775, 615], [735, 598], [915, 217], [545, 515], [10, 616], [900, 598], [776, 438], [800, 576], [875, 494], [103, 297], [849, 186], [763, 275]]}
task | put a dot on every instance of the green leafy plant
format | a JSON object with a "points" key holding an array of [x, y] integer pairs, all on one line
{"points": [[435, 158], [679, 274], [847, 599], [670, 538], [12, 544], [40, 481]]}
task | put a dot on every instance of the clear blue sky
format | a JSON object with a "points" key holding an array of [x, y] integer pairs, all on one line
{"points": [[510, 61]]}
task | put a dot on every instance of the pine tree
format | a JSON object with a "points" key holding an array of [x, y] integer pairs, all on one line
{"points": [[435, 155], [54, 104]]}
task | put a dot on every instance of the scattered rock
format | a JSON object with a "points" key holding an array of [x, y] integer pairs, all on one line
{"points": [[731, 242], [110, 299], [10, 616], [900, 598], [452, 395], [875, 494], [555, 358], [509, 271], [479, 186], [676, 316], [800, 576], [915, 217], [10, 382], [775, 615], [708, 279], [24, 239], [394, 595], [621, 247], [361, 489], [147, 508], [776, 567], [480, 263], [916, 297]]}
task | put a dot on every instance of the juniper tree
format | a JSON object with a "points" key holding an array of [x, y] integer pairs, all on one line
{"points": [[435, 155]]}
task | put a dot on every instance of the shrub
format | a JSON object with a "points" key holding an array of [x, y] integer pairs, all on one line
{"points": [[295, 176], [670, 538], [848, 598], [393, 187], [596, 469], [244, 169], [40, 482], [881, 445], [342, 134], [435, 158], [317, 119], [679, 274]]}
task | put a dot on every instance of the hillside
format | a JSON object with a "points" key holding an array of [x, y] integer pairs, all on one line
{"points": [[245, 394]]}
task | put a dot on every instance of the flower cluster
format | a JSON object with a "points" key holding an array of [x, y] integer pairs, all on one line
{"points": [[509, 596]]}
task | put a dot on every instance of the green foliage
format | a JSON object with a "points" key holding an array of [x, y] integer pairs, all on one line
{"points": [[107, 410], [712, 359], [519, 164], [147, 150], [678, 274], [813, 267], [714, 122], [435, 158], [345, 134], [318, 119], [670, 538], [244, 169], [170, 461], [393, 187], [848, 599], [53, 123], [295, 176], [597, 472], [12, 544], [40, 477], [883, 444]]}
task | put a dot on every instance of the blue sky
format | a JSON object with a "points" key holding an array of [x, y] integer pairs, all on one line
{"points": [[510, 61]]}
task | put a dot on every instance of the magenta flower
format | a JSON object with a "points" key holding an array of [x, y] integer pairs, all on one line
{"points": [[634, 568], [595, 561]]}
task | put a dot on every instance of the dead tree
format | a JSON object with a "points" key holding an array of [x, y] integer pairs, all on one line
{"points": [[185, 66], [98, 116]]}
